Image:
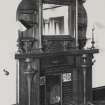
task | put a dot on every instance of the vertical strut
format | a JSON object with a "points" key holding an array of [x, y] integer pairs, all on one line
{"points": [[76, 23], [40, 22]]}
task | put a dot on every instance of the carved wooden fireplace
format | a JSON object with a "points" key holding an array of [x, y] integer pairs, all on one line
{"points": [[53, 69]]}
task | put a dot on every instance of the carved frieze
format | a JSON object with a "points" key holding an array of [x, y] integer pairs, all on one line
{"points": [[57, 43]]}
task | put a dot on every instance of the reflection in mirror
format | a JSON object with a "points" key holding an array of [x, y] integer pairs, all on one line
{"points": [[55, 19]]}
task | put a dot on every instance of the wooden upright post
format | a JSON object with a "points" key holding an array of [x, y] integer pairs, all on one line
{"points": [[76, 23], [40, 22]]}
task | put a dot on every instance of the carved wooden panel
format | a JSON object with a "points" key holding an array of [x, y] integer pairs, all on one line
{"points": [[57, 43], [58, 64]]}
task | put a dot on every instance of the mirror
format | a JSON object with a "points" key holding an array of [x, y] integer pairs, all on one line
{"points": [[56, 19]]}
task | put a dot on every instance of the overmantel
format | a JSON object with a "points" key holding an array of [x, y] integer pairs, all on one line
{"points": [[72, 52], [51, 54]]}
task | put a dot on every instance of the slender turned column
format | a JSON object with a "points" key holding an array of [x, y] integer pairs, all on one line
{"points": [[17, 82], [84, 75], [84, 68], [30, 72]]}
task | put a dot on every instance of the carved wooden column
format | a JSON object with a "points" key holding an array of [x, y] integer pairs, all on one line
{"points": [[30, 72], [28, 80], [84, 68]]}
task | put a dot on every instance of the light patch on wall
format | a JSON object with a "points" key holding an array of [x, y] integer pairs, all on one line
{"points": [[8, 38], [96, 16]]}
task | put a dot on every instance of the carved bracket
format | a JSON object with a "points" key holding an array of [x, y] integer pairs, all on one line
{"points": [[25, 45]]}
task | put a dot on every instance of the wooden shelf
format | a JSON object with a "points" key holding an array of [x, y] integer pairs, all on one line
{"points": [[49, 54]]}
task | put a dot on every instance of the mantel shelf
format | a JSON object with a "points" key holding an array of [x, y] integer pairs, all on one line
{"points": [[73, 52]]}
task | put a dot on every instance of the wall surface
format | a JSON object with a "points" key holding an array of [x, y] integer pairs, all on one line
{"points": [[96, 17], [8, 37]]}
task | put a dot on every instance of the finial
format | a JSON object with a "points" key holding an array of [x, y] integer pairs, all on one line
{"points": [[93, 42]]}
